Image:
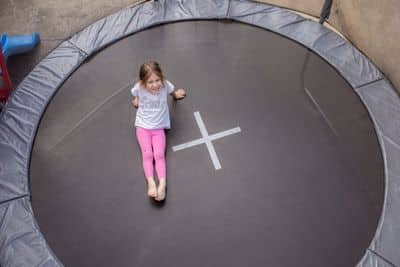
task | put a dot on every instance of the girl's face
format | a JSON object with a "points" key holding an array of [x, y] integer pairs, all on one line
{"points": [[154, 83]]}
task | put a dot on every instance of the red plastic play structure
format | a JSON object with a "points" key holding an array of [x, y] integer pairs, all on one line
{"points": [[5, 81], [13, 45]]}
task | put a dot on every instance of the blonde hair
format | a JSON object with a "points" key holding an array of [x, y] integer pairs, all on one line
{"points": [[148, 68]]}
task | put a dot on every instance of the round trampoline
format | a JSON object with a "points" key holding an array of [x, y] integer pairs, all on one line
{"points": [[272, 159], [298, 181]]}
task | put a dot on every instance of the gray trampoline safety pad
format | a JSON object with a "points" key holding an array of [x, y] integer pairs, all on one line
{"points": [[22, 113], [384, 107], [371, 259], [350, 63], [18, 231], [22, 244], [142, 16]]}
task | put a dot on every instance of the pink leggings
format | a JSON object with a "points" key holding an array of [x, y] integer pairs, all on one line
{"points": [[152, 145]]}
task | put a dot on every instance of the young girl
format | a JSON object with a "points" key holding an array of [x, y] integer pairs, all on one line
{"points": [[152, 117]]}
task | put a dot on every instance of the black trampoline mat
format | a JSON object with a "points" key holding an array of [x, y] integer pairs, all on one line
{"points": [[301, 184]]}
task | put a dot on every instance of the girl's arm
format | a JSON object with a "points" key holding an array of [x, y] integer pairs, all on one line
{"points": [[179, 94], [135, 102]]}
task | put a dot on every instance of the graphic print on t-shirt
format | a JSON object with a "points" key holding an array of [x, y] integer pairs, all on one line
{"points": [[149, 104]]}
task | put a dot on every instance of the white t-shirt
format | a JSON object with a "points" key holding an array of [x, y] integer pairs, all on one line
{"points": [[153, 112]]}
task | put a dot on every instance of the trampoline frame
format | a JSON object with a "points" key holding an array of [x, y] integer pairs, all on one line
{"points": [[22, 243]]}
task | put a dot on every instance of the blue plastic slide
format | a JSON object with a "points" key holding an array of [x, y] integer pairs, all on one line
{"points": [[17, 44]]}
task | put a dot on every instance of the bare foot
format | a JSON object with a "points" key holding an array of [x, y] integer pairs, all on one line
{"points": [[161, 190], [151, 188]]}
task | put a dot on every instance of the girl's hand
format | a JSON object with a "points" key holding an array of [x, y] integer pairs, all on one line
{"points": [[179, 94], [135, 102]]}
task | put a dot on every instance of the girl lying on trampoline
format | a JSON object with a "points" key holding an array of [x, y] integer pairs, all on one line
{"points": [[152, 118]]}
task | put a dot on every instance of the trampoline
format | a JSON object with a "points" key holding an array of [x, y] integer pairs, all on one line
{"points": [[273, 158]]}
